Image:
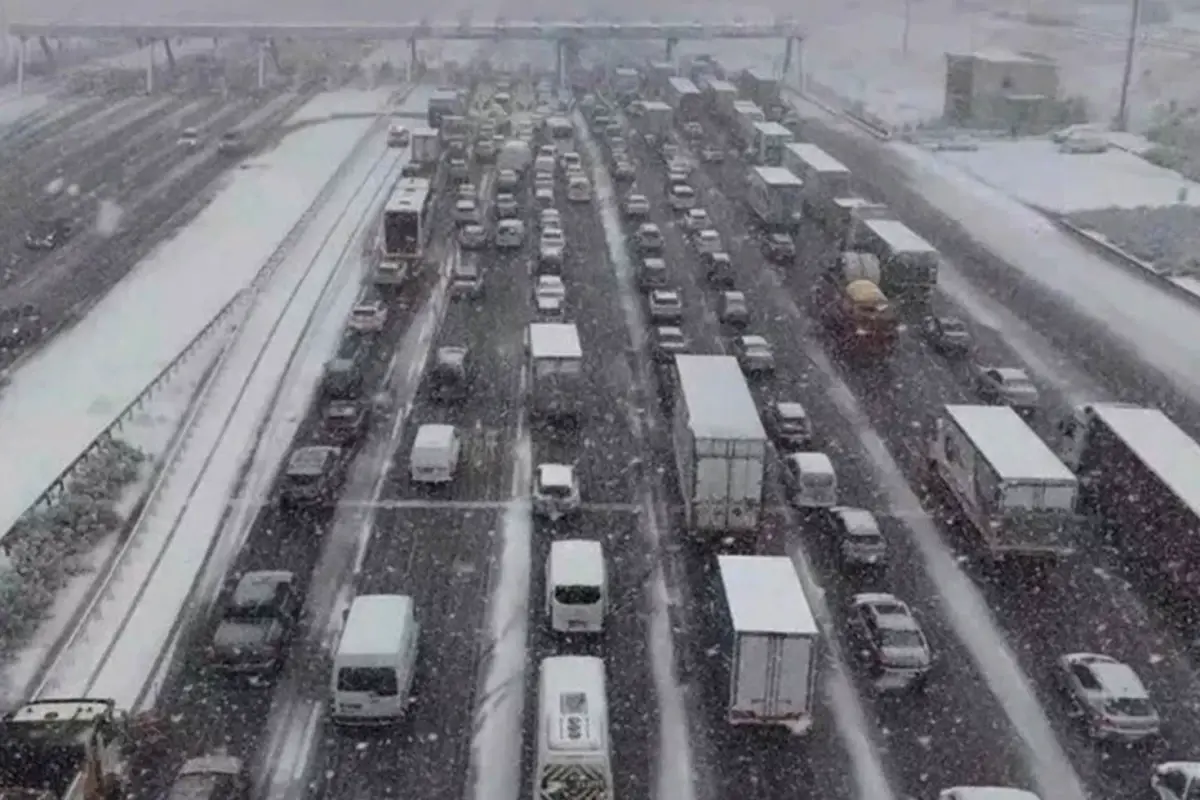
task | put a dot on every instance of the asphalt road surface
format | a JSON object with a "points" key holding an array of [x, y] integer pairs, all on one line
{"points": [[122, 154], [442, 547]]}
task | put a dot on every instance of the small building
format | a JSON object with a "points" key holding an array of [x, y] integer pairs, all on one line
{"points": [[1000, 89]]}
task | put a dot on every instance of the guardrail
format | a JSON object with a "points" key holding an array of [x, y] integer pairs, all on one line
{"points": [[239, 302], [1117, 254], [824, 97]]}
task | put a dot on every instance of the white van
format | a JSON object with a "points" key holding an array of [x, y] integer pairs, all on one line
{"points": [[375, 660], [576, 586], [811, 480], [579, 190], [682, 197], [510, 233], [435, 452]]}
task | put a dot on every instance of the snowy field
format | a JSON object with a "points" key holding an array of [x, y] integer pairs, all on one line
{"points": [[1035, 172], [856, 49]]}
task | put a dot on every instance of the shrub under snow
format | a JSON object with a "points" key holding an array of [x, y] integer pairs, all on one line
{"points": [[44, 548], [1167, 237]]}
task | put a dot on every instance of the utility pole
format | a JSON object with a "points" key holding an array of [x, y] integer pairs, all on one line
{"points": [[907, 26], [1122, 120]]}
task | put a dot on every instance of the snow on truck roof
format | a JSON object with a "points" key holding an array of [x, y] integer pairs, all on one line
{"points": [[764, 595], [554, 340], [778, 176], [816, 158], [719, 404], [373, 626], [1167, 450], [899, 235], [1009, 445], [408, 195], [772, 129]]}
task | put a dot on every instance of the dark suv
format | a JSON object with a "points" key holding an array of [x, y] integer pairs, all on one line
{"points": [[256, 624], [449, 380], [312, 477], [47, 234]]}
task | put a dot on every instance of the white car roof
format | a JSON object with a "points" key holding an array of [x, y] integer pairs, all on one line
{"points": [[755, 341], [556, 474], [465, 202], [1117, 679], [858, 520], [791, 410], [577, 562], [812, 462]]}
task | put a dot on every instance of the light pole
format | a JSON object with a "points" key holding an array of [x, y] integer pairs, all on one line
{"points": [[1122, 121], [907, 27]]}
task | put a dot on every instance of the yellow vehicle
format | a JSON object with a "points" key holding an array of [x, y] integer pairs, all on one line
{"points": [[68, 749]]}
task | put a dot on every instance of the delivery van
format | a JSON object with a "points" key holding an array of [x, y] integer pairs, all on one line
{"points": [[375, 660]]}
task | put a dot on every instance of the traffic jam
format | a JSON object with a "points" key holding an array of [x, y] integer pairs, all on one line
{"points": [[657, 290]]}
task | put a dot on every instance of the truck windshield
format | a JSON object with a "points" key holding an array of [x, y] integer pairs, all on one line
{"points": [[402, 231], [379, 681], [577, 595]]}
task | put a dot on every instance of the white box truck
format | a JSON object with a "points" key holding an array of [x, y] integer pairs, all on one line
{"points": [[745, 116], [721, 95], [658, 119], [769, 643], [1121, 451], [775, 196], [825, 178], [720, 447], [845, 219], [684, 98], [770, 140], [1009, 485], [555, 369]]}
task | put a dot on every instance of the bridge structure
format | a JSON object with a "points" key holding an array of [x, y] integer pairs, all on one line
{"points": [[564, 35]]}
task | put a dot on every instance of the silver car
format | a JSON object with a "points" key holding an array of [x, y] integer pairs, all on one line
{"points": [[1008, 386], [1109, 696]]}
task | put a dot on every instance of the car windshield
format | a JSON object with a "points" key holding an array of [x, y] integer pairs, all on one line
{"points": [[953, 326], [577, 595], [379, 681], [1130, 707], [901, 639]]}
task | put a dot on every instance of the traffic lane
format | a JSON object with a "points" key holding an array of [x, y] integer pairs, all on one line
{"points": [[40, 128], [957, 713], [632, 704], [936, 377], [1117, 368], [492, 328], [441, 557], [64, 285], [603, 448], [114, 164], [1084, 603], [200, 709], [771, 761], [72, 159]]}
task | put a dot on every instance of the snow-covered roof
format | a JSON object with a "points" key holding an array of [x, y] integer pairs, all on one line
{"points": [[718, 402], [1163, 446], [764, 595], [1009, 445]]}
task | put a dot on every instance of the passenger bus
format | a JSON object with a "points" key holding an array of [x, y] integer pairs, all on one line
{"points": [[405, 229], [574, 759], [560, 132]]}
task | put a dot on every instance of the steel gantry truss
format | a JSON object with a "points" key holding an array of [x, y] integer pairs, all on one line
{"points": [[560, 33]]}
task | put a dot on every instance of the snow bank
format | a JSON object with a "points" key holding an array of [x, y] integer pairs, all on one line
{"points": [[1035, 172], [352, 101]]}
